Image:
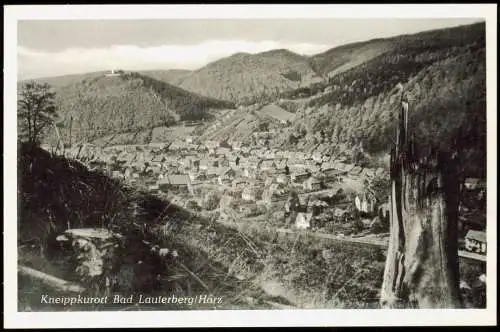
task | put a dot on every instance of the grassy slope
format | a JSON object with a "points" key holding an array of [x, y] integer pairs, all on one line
{"points": [[54, 190], [248, 268]]}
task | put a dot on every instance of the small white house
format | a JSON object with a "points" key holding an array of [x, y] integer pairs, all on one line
{"points": [[313, 183], [282, 178], [303, 220]]}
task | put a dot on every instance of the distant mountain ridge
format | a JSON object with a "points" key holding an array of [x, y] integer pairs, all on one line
{"points": [[247, 78], [244, 78], [343, 97], [262, 77], [443, 72]]}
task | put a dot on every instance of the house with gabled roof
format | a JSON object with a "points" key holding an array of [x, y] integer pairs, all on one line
{"points": [[207, 163], [317, 157], [282, 178], [475, 241], [250, 172], [267, 165], [223, 151], [312, 183], [226, 175], [300, 177], [332, 174], [240, 183], [196, 176]]}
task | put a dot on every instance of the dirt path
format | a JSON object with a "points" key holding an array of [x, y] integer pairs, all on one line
{"points": [[369, 240]]}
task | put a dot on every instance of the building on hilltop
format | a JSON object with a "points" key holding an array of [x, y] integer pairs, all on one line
{"points": [[114, 72]]}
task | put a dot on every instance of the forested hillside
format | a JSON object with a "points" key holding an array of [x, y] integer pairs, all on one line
{"points": [[444, 76], [129, 102], [343, 96], [443, 73], [172, 76], [246, 78]]}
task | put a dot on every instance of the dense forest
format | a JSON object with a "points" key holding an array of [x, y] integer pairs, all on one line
{"points": [[447, 92], [171, 76], [129, 102], [246, 78]]}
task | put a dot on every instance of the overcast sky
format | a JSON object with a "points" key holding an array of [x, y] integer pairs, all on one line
{"points": [[51, 48]]}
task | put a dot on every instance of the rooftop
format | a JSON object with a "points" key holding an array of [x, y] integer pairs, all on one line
{"points": [[476, 235]]}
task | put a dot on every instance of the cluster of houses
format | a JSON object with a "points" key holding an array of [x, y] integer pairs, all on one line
{"points": [[256, 175], [185, 164], [253, 174]]}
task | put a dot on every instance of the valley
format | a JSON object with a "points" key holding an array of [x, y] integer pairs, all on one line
{"points": [[268, 174]]}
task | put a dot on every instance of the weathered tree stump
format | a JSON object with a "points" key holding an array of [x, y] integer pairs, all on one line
{"points": [[421, 269]]}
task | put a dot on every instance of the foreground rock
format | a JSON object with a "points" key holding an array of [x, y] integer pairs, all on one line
{"points": [[95, 255]]}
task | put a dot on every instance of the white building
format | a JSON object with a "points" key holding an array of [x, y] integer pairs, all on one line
{"points": [[303, 220]]}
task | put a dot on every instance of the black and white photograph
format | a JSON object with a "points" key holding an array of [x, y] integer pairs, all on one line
{"points": [[196, 160]]}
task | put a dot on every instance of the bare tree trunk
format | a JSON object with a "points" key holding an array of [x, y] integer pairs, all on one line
{"points": [[59, 141], [70, 133], [421, 269], [54, 282]]}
